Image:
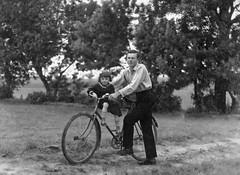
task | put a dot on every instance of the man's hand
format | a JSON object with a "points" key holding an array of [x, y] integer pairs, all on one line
{"points": [[114, 96], [105, 95]]}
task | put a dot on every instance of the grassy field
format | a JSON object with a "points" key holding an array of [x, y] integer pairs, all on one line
{"points": [[33, 86], [31, 137]]}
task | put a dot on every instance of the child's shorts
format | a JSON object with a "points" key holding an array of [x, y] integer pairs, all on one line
{"points": [[113, 107]]}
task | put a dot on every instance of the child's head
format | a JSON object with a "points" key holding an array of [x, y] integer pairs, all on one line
{"points": [[104, 78]]}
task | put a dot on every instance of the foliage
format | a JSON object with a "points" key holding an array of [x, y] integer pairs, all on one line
{"points": [[37, 98], [163, 50], [84, 99], [71, 92], [64, 95], [211, 23], [200, 47], [102, 39], [209, 103], [165, 100], [35, 31], [14, 66], [5, 92], [193, 49]]}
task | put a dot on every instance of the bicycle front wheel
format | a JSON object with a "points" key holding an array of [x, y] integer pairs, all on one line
{"points": [[138, 143], [81, 137]]}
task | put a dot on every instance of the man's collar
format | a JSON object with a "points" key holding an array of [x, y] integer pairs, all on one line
{"points": [[135, 67]]}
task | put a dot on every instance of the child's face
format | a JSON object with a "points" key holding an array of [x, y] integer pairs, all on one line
{"points": [[104, 80]]}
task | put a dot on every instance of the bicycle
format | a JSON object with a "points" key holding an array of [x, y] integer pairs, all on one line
{"points": [[81, 136]]}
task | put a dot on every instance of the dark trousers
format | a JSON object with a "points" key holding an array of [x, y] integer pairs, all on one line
{"points": [[143, 112]]}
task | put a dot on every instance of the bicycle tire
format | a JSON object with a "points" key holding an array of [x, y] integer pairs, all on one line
{"points": [[81, 137], [138, 144]]}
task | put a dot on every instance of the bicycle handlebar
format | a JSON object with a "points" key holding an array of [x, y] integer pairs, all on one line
{"points": [[106, 96]]}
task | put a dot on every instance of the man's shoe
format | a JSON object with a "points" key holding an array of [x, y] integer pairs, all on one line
{"points": [[151, 161], [125, 152]]}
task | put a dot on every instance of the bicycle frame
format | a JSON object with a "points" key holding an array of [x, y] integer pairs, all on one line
{"points": [[96, 113]]}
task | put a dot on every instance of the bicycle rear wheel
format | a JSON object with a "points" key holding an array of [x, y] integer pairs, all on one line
{"points": [[138, 144], [81, 137]]}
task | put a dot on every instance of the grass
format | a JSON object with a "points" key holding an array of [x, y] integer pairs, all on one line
{"points": [[26, 131]]}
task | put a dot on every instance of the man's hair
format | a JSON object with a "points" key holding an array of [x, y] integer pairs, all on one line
{"points": [[133, 51]]}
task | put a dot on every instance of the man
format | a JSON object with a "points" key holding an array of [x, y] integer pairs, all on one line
{"points": [[138, 81]]}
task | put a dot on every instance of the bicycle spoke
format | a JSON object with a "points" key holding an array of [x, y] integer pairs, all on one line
{"points": [[81, 138]]}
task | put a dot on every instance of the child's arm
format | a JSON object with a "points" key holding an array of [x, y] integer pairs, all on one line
{"points": [[92, 92]]}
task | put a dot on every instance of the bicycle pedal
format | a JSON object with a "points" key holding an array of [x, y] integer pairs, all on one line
{"points": [[76, 138], [119, 134]]}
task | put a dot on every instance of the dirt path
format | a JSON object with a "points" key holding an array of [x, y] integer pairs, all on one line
{"points": [[105, 161]]}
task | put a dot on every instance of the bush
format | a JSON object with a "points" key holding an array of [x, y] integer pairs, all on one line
{"points": [[5, 92], [165, 101], [37, 98], [65, 96], [168, 103], [209, 103], [83, 98]]}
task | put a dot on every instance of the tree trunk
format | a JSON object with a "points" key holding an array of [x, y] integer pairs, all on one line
{"points": [[43, 79], [9, 83], [197, 97], [220, 89]]}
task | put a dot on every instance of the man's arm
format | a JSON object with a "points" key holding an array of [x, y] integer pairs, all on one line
{"points": [[118, 81], [135, 83], [138, 78]]}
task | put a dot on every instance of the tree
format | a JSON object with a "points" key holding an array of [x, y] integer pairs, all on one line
{"points": [[191, 49], [163, 50], [228, 25], [216, 21], [102, 39], [43, 38], [13, 67], [39, 32]]}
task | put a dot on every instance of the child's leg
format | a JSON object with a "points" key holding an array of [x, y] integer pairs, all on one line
{"points": [[117, 123], [104, 113]]}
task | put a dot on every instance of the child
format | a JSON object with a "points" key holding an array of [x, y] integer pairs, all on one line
{"points": [[101, 89]]}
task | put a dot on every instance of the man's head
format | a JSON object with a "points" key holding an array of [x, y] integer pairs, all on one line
{"points": [[132, 58]]}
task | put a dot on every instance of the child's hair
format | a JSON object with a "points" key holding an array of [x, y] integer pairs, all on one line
{"points": [[105, 73]]}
